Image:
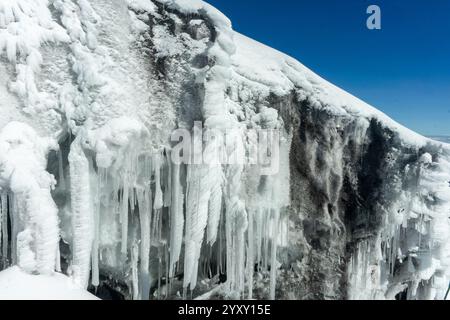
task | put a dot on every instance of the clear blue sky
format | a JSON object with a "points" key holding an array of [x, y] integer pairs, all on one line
{"points": [[403, 69]]}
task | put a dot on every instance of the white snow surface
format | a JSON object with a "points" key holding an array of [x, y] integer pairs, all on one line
{"points": [[16, 284], [83, 76]]}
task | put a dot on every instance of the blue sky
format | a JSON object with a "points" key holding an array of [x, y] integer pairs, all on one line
{"points": [[402, 69]]}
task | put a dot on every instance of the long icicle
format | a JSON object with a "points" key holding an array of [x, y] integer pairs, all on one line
{"points": [[134, 269], [5, 229], [197, 197], [96, 206], [250, 254], [14, 217], [215, 209], [62, 179], [177, 219]]}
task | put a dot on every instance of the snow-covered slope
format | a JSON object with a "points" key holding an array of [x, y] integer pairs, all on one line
{"points": [[15, 284], [352, 204]]}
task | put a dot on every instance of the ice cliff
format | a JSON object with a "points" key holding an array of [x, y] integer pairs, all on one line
{"points": [[91, 92]]}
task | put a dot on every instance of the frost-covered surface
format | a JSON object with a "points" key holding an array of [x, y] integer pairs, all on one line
{"points": [[15, 284], [25, 195], [359, 207]]}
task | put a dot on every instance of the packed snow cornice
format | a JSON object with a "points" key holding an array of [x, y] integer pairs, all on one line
{"points": [[91, 93]]}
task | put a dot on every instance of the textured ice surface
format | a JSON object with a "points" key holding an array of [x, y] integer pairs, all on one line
{"points": [[358, 207]]}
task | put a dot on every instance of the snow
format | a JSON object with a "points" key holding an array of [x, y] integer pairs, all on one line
{"points": [[266, 71], [130, 206], [16, 284]]}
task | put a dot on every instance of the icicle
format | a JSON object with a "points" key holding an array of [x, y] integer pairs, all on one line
{"points": [[176, 219], [266, 238], [236, 225], [166, 264], [215, 179], [134, 270], [82, 214], [58, 259], [95, 246], [219, 253], [156, 226], [3, 214], [5, 231], [159, 272], [240, 262], [62, 179], [230, 240], [193, 283], [14, 218], [124, 216], [259, 236], [215, 208]]}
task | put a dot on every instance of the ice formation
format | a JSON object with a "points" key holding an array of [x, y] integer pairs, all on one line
{"points": [[15, 284], [91, 91]]}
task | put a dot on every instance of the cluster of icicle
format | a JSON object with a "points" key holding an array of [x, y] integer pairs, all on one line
{"points": [[412, 251], [129, 202]]}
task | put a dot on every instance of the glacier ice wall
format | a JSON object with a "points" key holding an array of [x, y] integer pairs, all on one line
{"points": [[91, 93]]}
